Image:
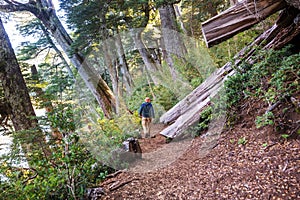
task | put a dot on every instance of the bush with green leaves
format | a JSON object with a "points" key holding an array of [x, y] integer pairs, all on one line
{"points": [[62, 170], [274, 76], [264, 120], [205, 118]]}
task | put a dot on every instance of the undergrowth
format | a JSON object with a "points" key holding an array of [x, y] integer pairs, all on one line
{"points": [[62, 170], [273, 79]]}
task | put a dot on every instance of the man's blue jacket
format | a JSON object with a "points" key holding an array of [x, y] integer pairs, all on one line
{"points": [[146, 110]]}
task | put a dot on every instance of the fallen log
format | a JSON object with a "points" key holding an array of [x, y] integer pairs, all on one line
{"points": [[238, 18], [198, 95], [187, 111], [192, 115]]}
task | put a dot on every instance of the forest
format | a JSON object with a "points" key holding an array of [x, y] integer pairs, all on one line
{"points": [[222, 75]]}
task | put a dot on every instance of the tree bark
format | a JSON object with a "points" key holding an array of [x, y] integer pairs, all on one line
{"points": [[113, 71], [179, 16], [16, 93], [44, 11], [127, 79], [145, 54], [201, 93], [172, 43], [238, 18], [294, 3], [285, 30]]}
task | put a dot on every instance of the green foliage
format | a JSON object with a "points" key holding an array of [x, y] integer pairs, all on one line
{"points": [[274, 76], [242, 141], [63, 170], [205, 118], [235, 88], [137, 98], [285, 136], [265, 120], [103, 137], [164, 98], [197, 11], [65, 174], [265, 145], [62, 117], [197, 65]]}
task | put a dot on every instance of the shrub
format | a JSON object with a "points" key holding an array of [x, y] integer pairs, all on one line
{"points": [[63, 171], [274, 76]]}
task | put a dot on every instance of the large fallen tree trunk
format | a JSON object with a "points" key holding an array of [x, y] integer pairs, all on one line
{"points": [[187, 111], [238, 18], [197, 96]]}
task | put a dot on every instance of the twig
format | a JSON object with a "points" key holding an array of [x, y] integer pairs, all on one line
{"points": [[270, 146], [32, 177], [118, 185], [272, 107], [297, 127], [285, 166], [115, 174]]}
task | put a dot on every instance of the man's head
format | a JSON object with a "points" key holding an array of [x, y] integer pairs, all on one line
{"points": [[147, 99]]}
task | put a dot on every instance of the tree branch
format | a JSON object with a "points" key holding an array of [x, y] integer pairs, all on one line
{"points": [[14, 6]]}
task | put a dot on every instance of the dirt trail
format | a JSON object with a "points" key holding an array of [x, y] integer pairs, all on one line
{"points": [[264, 166], [155, 141]]}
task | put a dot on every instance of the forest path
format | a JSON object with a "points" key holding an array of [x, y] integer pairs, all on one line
{"points": [[157, 151], [245, 163], [155, 141]]}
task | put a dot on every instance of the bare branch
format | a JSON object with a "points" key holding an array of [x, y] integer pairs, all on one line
{"points": [[14, 6]]}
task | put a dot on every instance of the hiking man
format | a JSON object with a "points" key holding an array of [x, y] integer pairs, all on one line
{"points": [[146, 112]]}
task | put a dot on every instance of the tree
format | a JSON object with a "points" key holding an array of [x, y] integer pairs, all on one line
{"points": [[45, 12], [96, 26], [238, 18], [17, 96], [171, 39], [44, 43]]}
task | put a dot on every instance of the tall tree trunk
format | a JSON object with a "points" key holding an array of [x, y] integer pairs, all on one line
{"points": [[113, 72], [59, 53], [44, 11], [127, 79], [149, 62], [179, 17], [110, 58], [211, 8], [171, 38], [16, 93], [232, 2]]}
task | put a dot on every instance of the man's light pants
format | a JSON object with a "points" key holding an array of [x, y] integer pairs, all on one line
{"points": [[146, 126]]}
